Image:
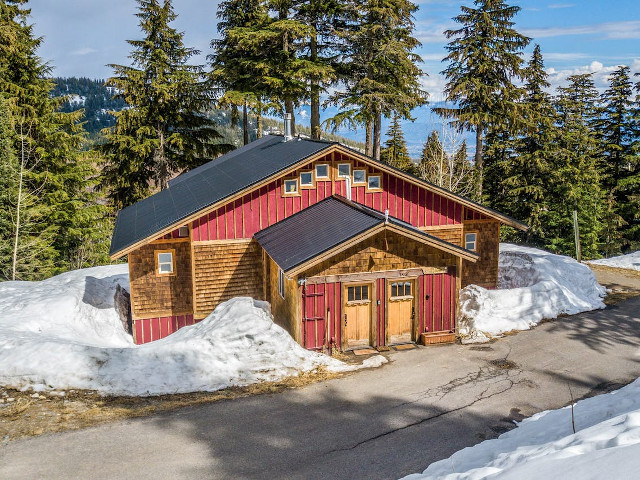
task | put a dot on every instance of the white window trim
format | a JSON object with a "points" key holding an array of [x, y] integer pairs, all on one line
{"points": [[281, 283], [284, 186], [306, 185], [322, 176], [341, 175], [474, 241], [364, 182], [172, 262]]}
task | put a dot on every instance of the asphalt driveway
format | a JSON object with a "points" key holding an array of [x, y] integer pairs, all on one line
{"points": [[383, 423]]}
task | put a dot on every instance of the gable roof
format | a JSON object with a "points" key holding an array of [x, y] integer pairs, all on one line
{"points": [[240, 170], [295, 241], [206, 185]]}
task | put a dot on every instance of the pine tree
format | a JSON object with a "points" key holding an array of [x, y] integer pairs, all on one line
{"points": [[382, 73], [164, 131], [433, 161], [485, 63], [574, 178], [395, 152], [616, 135]]}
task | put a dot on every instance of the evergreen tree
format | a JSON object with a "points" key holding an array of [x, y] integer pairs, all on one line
{"points": [[574, 178], [433, 161], [382, 72], [395, 152], [48, 183], [485, 62], [618, 166], [164, 131]]}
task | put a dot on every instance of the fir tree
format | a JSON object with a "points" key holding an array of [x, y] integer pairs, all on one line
{"points": [[433, 161], [484, 62], [395, 152], [164, 131]]}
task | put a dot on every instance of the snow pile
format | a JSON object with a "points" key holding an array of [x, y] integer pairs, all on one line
{"points": [[606, 445], [630, 261], [532, 285], [64, 333]]}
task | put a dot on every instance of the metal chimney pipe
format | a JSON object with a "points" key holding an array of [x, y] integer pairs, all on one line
{"points": [[288, 128]]}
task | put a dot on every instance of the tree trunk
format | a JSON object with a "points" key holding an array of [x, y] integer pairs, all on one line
{"points": [[368, 143], [235, 116], [259, 121], [478, 160], [316, 132], [245, 121], [377, 127], [288, 108]]}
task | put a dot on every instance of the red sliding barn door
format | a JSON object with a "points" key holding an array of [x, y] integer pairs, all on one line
{"points": [[314, 320]]}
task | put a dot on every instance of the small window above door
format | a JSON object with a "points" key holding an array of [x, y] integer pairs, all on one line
{"points": [[358, 293], [401, 289]]}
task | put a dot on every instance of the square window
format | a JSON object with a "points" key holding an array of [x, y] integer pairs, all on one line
{"points": [[359, 176], [322, 171], [183, 232], [344, 170], [470, 240], [290, 187], [164, 260], [306, 179], [374, 182]]}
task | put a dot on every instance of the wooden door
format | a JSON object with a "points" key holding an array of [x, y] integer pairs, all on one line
{"points": [[357, 316], [400, 311]]}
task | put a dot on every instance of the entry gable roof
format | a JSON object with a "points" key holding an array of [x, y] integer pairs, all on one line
{"points": [[297, 240]]}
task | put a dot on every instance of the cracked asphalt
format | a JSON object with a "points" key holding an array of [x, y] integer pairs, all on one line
{"points": [[383, 423]]}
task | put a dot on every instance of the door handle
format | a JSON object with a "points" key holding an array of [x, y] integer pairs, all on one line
{"points": [[345, 319], [413, 312]]}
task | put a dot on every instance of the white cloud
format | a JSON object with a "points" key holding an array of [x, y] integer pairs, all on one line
{"points": [[83, 51], [598, 69], [562, 5], [609, 30]]}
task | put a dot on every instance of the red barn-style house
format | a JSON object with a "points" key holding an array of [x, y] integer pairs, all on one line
{"points": [[349, 251]]}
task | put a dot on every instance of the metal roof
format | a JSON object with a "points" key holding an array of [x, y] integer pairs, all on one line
{"points": [[208, 184], [325, 225]]}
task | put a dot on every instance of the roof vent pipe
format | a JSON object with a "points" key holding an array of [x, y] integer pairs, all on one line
{"points": [[347, 183], [386, 217], [288, 128]]}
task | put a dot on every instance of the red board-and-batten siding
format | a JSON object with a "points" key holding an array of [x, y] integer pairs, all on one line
{"points": [[150, 329], [322, 307], [267, 205]]}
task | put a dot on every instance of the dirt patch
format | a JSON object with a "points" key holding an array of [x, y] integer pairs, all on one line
{"points": [[503, 364], [622, 283], [26, 414]]}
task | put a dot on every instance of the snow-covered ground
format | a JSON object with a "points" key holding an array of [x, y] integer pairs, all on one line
{"points": [[64, 333], [630, 261], [606, 445], [532, 285]]}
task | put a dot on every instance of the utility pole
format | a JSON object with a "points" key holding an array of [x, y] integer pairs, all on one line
{"points": [[576, 232]]}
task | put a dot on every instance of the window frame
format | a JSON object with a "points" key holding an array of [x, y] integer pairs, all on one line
{"points": [[374, 189], [156, 254], [369, 290], [353, 176], [323, 177], [339, 176], [181, 230], [312, 184], [402, 284], [475, 241], [284, 187], [281, 286]]}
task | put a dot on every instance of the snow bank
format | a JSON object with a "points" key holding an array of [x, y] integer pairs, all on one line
{"points": [[532, 285], [606, 445], [64, 333], [630, 261]]}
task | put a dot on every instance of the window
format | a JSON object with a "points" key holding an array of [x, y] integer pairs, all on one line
{"points": [[183, 232], [306, 179], [290, 187], [401, 289], [359, 176], [281, 283], [344, 170], [374, 182], [164, 262], [470, 240], [358, 293], [322, 170]]}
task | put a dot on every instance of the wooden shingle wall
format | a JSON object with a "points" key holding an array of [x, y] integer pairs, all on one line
{"points": [[155, 295], [451, 235], [485, 271], [225, 270], [384, 251], [286, 311]]}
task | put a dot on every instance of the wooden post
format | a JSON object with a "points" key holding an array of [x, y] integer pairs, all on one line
{"points": [[576, 232]]}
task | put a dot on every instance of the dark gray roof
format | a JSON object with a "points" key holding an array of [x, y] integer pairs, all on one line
{"points": [[323, 226], [208, 184]]}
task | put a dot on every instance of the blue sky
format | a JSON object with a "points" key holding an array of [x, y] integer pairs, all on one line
{"points": [[82, 36]]}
